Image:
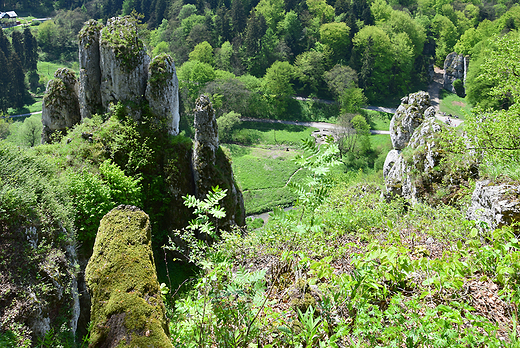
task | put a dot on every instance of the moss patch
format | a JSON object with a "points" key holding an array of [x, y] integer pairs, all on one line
{"points": [[120, 34], [127, 308]]}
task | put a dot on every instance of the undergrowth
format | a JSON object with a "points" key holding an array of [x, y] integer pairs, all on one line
{"points": [[348, 269]]}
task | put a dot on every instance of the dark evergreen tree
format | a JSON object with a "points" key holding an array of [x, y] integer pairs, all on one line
{"points": [[31, 52], [223, 25], [18, 46], [252, 47], [4, 82], [16, 89], [5, 45], [238, 17], [367, 65], [342, 6]]}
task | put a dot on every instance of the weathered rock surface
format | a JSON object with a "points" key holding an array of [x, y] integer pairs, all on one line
{"points": [[127, 308], [211, 166], [390, 160], [162, 92], [60, 107], [90, 70], [205, 144], [408, 116], [123, 62], [455, 68], [421, 173], [495, 204]]}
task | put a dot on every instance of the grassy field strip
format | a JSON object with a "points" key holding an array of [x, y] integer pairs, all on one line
{"points": [[453, 104]]}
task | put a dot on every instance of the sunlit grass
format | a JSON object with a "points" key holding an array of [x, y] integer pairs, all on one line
{"points": [[451, 103]]}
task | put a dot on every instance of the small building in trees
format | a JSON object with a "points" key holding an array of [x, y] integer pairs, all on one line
{"points": [[8, 19]]}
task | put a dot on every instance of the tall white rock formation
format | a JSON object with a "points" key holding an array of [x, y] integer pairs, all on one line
{"points": [[162, 92], [123, 62], [89, 69]]}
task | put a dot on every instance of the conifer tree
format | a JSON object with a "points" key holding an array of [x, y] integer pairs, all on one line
{"points": [[31, 53], [4, 82], [5, 45], [17, 88]]}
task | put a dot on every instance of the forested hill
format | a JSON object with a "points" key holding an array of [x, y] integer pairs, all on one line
{"points": [[341, 49]]}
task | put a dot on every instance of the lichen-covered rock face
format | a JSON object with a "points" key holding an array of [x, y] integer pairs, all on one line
{"points": [[60, 108], [390, 160], [424, 171], [417, 166], [455, 68], [38, 283], [127, 308], [408, 116], [162, 92], [123, 62], [496, 205], [205, 144], [90, 70]]}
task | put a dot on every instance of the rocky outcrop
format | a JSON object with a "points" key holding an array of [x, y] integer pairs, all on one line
{"points": [[417, 168], [162, 92], [123, 62], [60, 108], [127, 308], [416, 172], [455, 68], [211, 166], [409, 115], [391, 158], [89, 69], [496, 205], [205, 144]]}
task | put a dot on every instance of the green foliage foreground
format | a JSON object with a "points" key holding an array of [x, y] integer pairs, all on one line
{"points": [[347, 268]]}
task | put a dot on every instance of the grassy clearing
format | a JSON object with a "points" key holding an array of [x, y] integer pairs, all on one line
{"points": [[262, 175], [453, 104], [34, 107], [274, 133], [378, 120], [47, 69]]}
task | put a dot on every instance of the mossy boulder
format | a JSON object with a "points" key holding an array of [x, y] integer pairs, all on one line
{"points": [[127, 308]]}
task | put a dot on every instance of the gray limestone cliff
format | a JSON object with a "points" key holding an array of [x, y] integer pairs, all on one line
{"points": [[419, 168], [211, 166], [123, 62], [412, 111], [89, 69], [455, 68], [495, 204], [60, 107], [162, 92]]}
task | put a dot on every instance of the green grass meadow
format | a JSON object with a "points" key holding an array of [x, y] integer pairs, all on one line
{"points": [[451, 103]]}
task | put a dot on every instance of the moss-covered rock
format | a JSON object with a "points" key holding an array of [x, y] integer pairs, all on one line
{"points": [[127, 308], [123, 62], [162, 92], [60, 108]]}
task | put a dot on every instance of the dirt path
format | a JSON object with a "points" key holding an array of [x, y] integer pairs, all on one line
{"points": [[323, 127], [434, 90]]}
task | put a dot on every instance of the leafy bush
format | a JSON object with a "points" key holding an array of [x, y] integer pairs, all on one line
{"points": [[96, 194]]}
